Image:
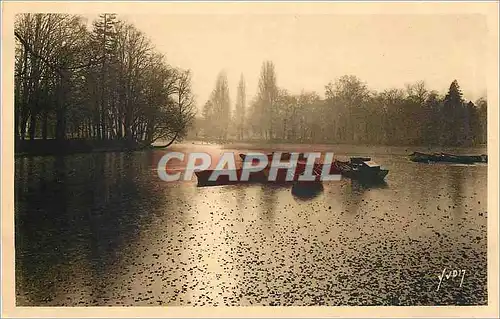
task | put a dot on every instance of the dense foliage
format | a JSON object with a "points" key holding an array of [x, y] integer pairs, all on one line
{"points": [[352, 113]]}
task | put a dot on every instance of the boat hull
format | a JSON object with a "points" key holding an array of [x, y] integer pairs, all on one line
{"points": [[204, 177], [224, 178], [447, 158], [423, 157]]}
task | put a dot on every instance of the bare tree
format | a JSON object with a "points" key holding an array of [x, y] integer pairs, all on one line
{"points": [[107, 84], [239, 116]]}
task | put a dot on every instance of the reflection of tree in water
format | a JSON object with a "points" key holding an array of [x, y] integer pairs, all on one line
{"points": [[362, 186], [456, 181], [32, 219], [77, 211], [354, 192]]}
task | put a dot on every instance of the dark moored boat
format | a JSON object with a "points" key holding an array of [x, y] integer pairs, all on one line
{"points": [[262, 176], [448, 158], [362, 168], [464, 159], [284, 156], [423, 157], [203, 177]]}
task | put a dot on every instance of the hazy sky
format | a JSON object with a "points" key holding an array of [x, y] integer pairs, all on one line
{"points": [[309, 51]]}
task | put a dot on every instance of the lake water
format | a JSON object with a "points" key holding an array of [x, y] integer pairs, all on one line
{"points": [[104, 230]]}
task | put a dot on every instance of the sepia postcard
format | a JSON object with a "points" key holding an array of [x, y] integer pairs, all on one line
{"points": [[249, 159]]}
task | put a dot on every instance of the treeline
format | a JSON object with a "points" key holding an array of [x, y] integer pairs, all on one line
{"points": [[349, 113], [105, 82]]}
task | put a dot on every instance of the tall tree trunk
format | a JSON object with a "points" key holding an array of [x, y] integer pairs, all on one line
{"points": [[171, 141], [32, 127]]}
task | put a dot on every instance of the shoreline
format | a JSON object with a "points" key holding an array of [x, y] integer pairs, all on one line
{"points": [[28, 148]]}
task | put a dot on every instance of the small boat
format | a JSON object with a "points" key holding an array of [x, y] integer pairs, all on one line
{"points": [[448, 158], [423, 157], [465, 159], [361, 168], [263, 176], [284, 156], [203, 177]]}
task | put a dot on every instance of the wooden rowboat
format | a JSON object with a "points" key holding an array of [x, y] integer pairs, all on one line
{"points": [[362, 168]]}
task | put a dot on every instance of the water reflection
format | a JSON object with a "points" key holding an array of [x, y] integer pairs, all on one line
{"points": [[306, 192]]}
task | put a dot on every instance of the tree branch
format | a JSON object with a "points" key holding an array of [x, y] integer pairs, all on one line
{"points": [[58, 69], [28, 48]]}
